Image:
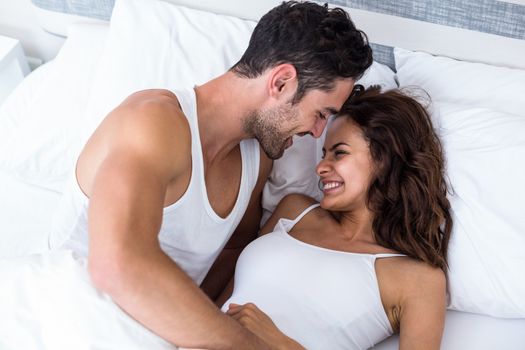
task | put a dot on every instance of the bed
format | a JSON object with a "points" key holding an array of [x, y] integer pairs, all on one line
{"points": [[468, 55]]}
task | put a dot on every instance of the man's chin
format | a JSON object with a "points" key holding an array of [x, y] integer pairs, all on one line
{"points": [[275, 155]]}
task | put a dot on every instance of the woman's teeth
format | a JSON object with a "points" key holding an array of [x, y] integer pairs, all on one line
{"points": [[331, 185]]}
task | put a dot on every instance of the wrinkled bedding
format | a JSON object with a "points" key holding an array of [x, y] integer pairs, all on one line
{"points": [[48, 302]]}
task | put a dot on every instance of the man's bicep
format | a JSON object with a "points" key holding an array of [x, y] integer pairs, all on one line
{"points": [[126, 199], [141, 157]]}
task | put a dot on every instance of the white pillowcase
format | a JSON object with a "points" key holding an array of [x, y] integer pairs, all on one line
{"points": [[480, 115], [154, 44], [42, 118], [475, 84], [294, 172], [18, 103]]}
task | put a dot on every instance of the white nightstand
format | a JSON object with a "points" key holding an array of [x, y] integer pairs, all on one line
{"points": [[13, 65]]}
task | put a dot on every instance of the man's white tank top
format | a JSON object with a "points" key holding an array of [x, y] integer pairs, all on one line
{"points": [[191, 234], [322, 298]]}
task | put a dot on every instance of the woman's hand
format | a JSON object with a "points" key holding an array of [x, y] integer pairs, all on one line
{"points": [[262, 326]]}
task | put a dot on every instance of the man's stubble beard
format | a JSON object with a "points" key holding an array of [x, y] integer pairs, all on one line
{"points": [[265, 126]]}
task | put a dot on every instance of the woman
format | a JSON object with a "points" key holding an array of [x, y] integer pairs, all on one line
{"points": [[371, 259]]}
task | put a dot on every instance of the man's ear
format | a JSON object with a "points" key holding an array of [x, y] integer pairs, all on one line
{"points": [[282, 82]]}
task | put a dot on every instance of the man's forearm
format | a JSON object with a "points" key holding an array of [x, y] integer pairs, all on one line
{"points": [[159, 295]]}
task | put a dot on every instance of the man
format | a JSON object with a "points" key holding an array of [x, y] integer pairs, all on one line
{"points": [[168, 176]]}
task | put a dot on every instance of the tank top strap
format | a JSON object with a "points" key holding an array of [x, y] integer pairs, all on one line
{"points": [[306, 211], [387, 255], [188, 104], [250, 162]]}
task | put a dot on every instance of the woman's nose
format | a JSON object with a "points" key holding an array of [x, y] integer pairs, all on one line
{"points": [[323, 167]]}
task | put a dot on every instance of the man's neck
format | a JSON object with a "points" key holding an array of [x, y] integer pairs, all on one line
{"points": [[222, 105]]}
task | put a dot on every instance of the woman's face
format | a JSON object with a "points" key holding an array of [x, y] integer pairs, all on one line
{"points": [[346, 169]]}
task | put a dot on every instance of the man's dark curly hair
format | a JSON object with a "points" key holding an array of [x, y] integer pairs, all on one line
{"points": [[322, 44]]}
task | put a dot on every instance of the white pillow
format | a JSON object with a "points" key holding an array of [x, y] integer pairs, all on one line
{"points": [[476, 84], [294, 172], [42, 124], [18, 103], [485, 152], [154, 44]]}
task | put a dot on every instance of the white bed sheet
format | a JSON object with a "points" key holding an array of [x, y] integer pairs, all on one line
{"points": [[25, 216], [25, 209], [48, 303], [466, 331]]}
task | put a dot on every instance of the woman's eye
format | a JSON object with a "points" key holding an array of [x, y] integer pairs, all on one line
{"points": [[339, 153], [321, 116]]}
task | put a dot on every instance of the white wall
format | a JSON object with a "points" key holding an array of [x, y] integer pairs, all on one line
{"points": [[17, 20]]}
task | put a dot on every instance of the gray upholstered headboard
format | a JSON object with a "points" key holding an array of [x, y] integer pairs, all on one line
{"points": [[477, 30], [99, 9]]}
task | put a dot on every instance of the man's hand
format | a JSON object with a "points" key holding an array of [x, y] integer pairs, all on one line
{"points": [[256, 321]]}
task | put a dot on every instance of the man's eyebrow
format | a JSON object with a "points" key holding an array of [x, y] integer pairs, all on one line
{"points": [[337, 145], [331, 110]]}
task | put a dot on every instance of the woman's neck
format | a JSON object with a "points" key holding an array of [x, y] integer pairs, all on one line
{"points": [[356, 225]]}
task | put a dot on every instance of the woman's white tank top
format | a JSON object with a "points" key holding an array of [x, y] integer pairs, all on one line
{"points": [[191, 234], [322, 298]]}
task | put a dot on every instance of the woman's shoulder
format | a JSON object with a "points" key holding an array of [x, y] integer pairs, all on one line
{"points": [[294, 204], [290, 207], [413, 271], [411, 279], [410, 287]]}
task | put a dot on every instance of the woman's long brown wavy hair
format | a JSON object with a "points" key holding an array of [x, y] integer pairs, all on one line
{"points": [[408, 194]]}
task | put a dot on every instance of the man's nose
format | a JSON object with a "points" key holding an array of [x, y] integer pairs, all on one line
{"points": [[318, 128]]}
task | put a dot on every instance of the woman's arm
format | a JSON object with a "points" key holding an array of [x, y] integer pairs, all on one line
{"points": [[423, 309], [260, 324]]}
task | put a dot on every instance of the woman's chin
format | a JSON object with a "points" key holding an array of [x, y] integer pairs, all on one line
{"points": [[325, 204]]}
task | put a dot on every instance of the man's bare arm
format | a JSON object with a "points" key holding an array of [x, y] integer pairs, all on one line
{"points": [[127, 197]]}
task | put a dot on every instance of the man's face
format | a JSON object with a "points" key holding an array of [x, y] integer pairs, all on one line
{"points": [[275, 126]]}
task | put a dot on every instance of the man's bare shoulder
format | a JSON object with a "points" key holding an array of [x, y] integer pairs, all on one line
{"points": [[152, 121], [148, 128], [145, 104], [151, 95]]}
